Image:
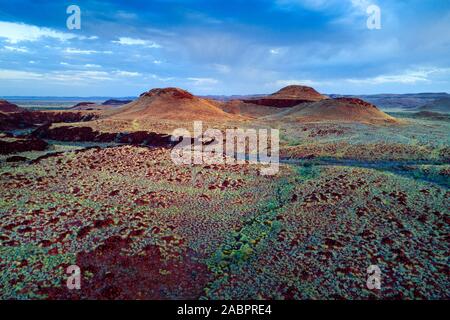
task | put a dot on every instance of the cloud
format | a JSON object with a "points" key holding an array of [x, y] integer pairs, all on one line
{"points": [[127, 73], [221, 68], [90, 65], [81, 51], [275, 51], [305, 82], [321, 5], [87, 65], [19, 75], [136, 42], [68, 76], [407, 77], [162, 79], [16, 49], [18, 32], [203, 81]]}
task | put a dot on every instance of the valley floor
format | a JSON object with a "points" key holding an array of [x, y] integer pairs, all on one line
{"points": [[140, 227], [347, 196]]}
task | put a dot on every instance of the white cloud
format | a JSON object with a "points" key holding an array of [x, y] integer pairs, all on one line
{"points": [[158, 78], [361, 5], [69, 76], [90, 65], [274, 51], [137, 42], [221, 68], [19, 75], [203, 81], [81, 51], [354, 6], [408, 77], [16, 49], [127, 73], [305, 82], [74, 76], [18, 32]]}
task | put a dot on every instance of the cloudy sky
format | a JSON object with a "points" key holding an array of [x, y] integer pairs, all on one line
{"points": [[223, 47]]}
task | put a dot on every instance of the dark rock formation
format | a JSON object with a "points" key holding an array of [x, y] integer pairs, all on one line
{"points": [[29, 119], [87, 134], [6, 106], [16, 145], [16, 159], [114, 102], [277, 103]]}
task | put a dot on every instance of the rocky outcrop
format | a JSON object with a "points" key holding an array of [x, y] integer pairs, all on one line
{"points": [[84, 106], [7, 107], [87, 134], [176, 93], [340, 109], [29, 119], [277, 103], [288, 97], [15, 145], [16, 159], [115, 102]]}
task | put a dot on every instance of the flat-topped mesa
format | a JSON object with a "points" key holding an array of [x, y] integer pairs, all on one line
{"points": [[176, 93], [115, 102], [83, 106], [288, 97], [298, 92]]}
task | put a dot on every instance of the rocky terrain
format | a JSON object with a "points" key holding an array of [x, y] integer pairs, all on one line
{"points": [[339, 109], [6, 107], [356, 187], [115, 102], [29, 119]]}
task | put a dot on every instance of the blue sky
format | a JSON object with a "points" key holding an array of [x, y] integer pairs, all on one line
{"points": [[223, 47]]}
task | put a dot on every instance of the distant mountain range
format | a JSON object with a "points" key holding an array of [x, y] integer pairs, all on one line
{"points": [[406, 102], [389, 102], [52, 98]]}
